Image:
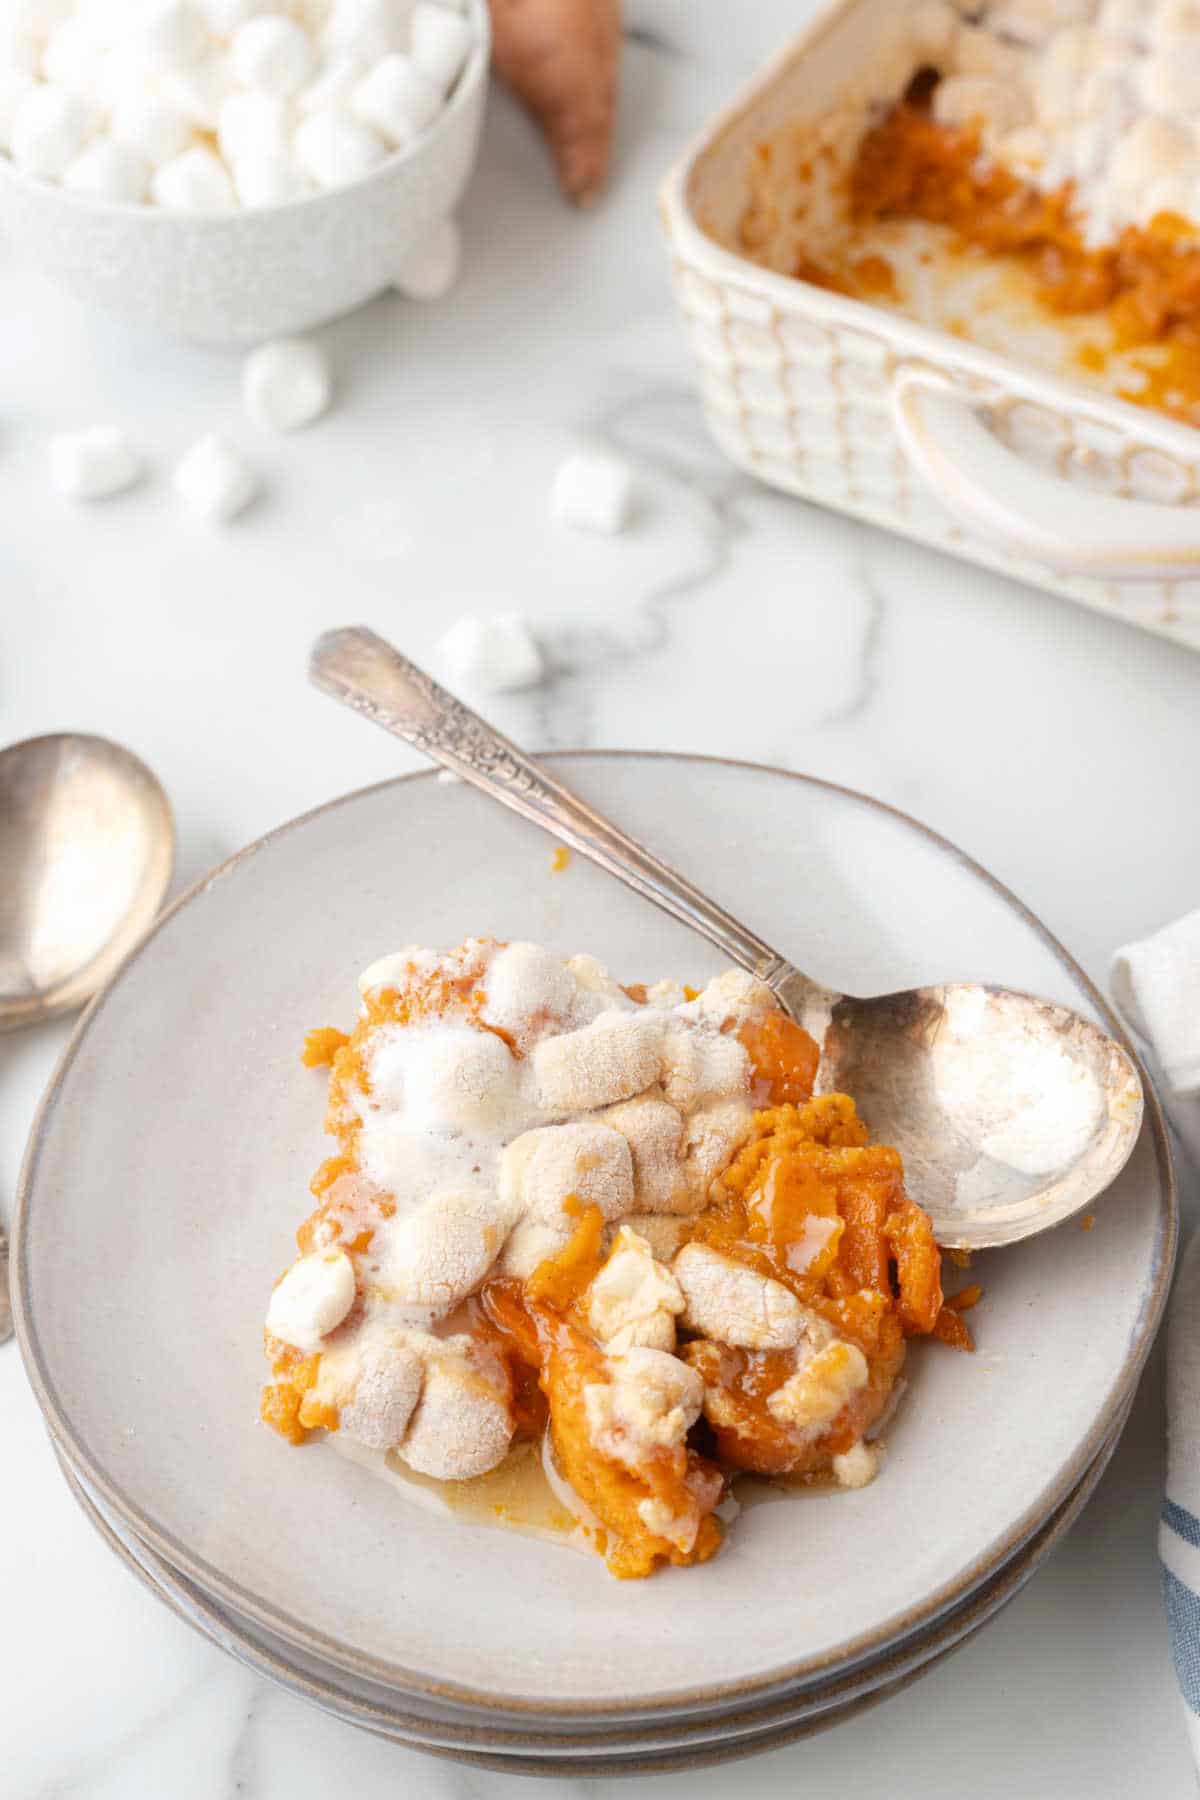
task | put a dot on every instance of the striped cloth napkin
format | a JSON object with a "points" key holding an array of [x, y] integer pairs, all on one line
{"points": [[1156, 984]]}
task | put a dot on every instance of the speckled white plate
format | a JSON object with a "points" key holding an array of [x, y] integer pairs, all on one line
{"points": [[537, 1746], [168, 1170]]}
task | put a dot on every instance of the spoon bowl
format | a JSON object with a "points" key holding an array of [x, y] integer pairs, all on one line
{"points": [[1011, 1113], [87, 845]]}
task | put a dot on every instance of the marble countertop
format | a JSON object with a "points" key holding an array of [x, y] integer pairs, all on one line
{"points": [[1052, 744]]}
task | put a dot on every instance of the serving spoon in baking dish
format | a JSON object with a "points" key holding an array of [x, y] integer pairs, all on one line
{"points": [[87, 844], [1011, 1113]]}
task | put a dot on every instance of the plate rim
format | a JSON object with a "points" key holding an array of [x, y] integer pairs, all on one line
{"points": [[345, 1656], [942, 1635]]}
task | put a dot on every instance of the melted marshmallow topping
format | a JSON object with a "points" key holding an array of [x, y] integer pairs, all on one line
{"points": [[480, 1122]]}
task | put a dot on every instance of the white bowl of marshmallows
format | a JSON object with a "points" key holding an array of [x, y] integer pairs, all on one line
{"points": [[234, 170]]}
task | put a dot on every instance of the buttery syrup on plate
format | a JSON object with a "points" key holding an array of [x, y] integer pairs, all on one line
{"points": [[525, 1493]]}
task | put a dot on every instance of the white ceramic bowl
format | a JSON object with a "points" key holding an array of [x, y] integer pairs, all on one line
{"points": [[237, 278]]}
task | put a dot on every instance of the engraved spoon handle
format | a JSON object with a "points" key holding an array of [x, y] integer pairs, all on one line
{"points": [[366, 673]]}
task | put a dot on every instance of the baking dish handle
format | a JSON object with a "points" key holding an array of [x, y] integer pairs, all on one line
{"points": [[990, 489]]}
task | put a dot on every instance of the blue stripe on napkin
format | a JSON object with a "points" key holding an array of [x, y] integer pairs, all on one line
{"points": [[1183, 1616], [1181, 1521]]}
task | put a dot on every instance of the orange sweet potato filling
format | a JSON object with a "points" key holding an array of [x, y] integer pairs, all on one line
{"points": [[1146, 283], [806, 1201]]}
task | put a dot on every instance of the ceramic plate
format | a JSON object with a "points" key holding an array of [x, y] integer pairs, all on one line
{"points": [[733, 1734], [169, 1167]]}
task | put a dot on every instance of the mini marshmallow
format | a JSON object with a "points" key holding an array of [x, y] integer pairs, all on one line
{"points": [[441, 42], [725, 1300], [811, 1399], [152, 126], [171, 34], [495, 655], [15, 88], [197, 181], [212, 480], [593, 492], [92, 464], [269, 181], [335, 148], [335, 81], [49, 129], [69, 58], [615, 1057], [430, 269], [440, 1253], [534, 1241], [367, 29], [252, 127], [38, 17], [633, 1299], [312, 1299], [224, 16], [964, 100], [454, 1077], [542, 1169], [273, 55], [19, 50], [710, 1139], [286, 385], [199, 90], [653, 1129], [528, 988], [384, 1396], [109, 171], [462, 1426], [397, 98]]}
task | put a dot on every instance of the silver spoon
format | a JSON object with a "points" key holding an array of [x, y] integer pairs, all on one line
{"points": [[87, 843], [1011, 1113]]}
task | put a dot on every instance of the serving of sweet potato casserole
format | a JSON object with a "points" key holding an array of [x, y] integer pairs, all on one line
{"points": [[607, 1233]]}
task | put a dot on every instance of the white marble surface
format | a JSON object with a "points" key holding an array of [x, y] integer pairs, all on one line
{"points": [[1056, 746]]}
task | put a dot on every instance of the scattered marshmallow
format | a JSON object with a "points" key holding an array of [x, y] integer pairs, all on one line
{"points": [[272, 54], [49, 129], [441, 42], [109, 171], [286, 385], [496, 654], [593, 492], [398, 99], [197, 181], [334, 148], [213, 482], [431, 268], [92, 464]]}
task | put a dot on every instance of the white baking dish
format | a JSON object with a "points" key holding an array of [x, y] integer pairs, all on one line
{"points": [[862, 409]]}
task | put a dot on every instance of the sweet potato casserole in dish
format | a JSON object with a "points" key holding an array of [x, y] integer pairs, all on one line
{"points": [[1001, 166], [605, 1236]]}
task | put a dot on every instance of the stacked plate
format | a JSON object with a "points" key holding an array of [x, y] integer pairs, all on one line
{"points": [[167, 1173]]}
